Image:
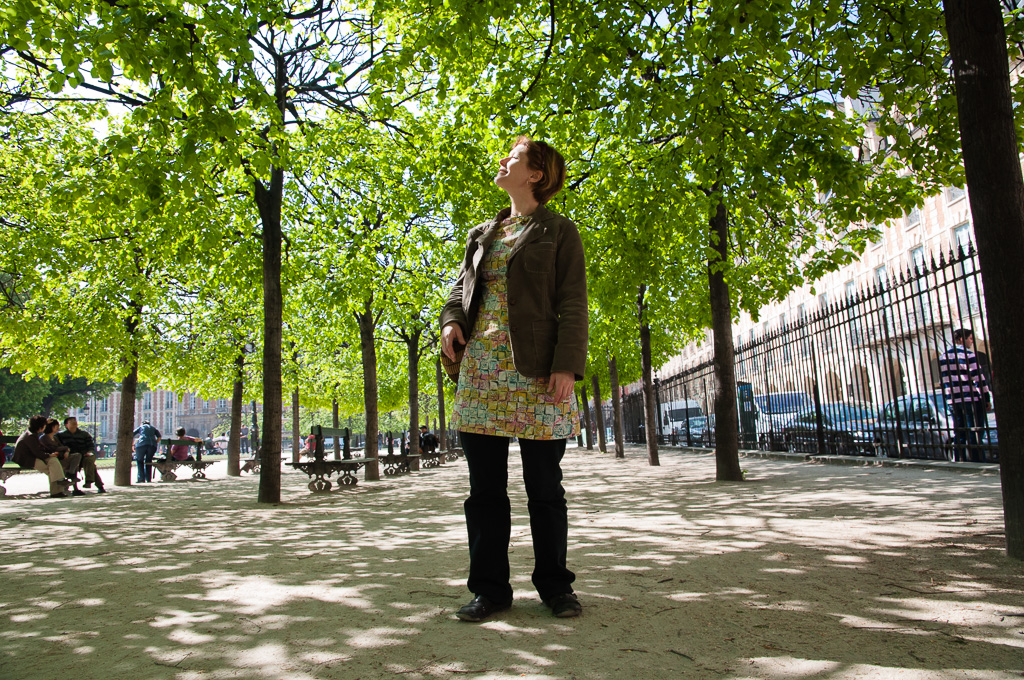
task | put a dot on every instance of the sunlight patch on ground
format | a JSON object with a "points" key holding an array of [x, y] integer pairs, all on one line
{"points": [[790, 668], [534, 659], [378, 637], [258, 594], [962, 614]]}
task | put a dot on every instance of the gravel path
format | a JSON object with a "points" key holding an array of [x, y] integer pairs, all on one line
{"points": [[804, 571]]}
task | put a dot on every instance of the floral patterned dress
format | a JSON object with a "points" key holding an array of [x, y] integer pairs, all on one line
{"points": [[492, 397]]}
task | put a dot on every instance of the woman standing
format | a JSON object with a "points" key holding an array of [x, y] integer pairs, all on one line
{"points": [[521, 302]]}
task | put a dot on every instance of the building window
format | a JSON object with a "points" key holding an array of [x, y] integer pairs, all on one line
{"points": [[804, 330], [914, 217], [192, 402], [880, 275], [786, 355], [954, 194], [879, 239], [917, 259], [104, 404], [922, 305], [855, 328], [147, 401], [169, 400], [968, 293], [962, 237]]}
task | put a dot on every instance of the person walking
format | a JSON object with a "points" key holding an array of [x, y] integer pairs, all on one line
{"points": [[519, 311], [964, 386], [147, 438]]}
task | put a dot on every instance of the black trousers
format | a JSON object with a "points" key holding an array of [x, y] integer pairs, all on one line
{"points": [[489, 515]]}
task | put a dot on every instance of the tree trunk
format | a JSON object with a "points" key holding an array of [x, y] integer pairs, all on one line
{"points": [[413, 345], [125, 427], [442, 427], [613, 371], [268, 200], [602, 445], [296, 430], [588, 424], [235, 433], [367, 326], [980, 66], [727, 455], [650, 407]]}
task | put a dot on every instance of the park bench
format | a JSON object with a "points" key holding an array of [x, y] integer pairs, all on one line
{"points": [[168, 467], [435, 458], [402, 461], [395, 463], [252, 464], [8, 469], [320, 469]]}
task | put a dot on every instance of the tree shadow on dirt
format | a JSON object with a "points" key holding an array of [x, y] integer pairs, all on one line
{"points": [[805, 572]]}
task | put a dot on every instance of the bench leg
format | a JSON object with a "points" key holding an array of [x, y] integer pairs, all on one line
{"points": [[348, 478], [166, 472], [320, 484]]}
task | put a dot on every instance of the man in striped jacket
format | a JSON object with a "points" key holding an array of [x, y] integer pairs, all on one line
{"points": [[965, 387]]}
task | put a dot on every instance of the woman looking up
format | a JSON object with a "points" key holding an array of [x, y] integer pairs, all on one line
{"points": [[519, 307]]}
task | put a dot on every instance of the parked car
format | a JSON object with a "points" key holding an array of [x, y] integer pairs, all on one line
{"points": [[774, 413], [707, 437], [674, 415], [925, 427], [697, 425], [848, 430]]}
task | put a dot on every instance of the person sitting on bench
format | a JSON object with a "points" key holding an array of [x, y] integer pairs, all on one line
{"points": [[428, 441], [29, 454], [80, 442], [180, 452], [50, 443]]}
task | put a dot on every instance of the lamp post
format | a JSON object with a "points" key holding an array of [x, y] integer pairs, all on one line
{"points": [[254, 435]]}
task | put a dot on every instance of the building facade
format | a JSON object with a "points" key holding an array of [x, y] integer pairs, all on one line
{"points": [[898, 304], [165, 409]]}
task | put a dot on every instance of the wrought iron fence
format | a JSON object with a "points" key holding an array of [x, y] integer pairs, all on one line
{"points": [[860, 375]]}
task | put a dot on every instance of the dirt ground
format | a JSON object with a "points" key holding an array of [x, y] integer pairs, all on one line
{"points": [[804, 571]]}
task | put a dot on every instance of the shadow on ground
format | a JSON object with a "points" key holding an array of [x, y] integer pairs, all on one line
{"points": [[805, 571]]}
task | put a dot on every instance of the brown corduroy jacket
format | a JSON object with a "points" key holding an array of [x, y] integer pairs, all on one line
{"points": [[547, 293]]}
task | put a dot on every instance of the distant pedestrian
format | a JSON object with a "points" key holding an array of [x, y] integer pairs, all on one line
{"points": [[966, 390], [243, 440], [147, 438]]}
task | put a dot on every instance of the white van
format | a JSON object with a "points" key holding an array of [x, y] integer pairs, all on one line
{"points": [[674, 415]]}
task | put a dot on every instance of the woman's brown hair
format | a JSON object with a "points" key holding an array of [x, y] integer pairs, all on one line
{"points": [[540, 156]]}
